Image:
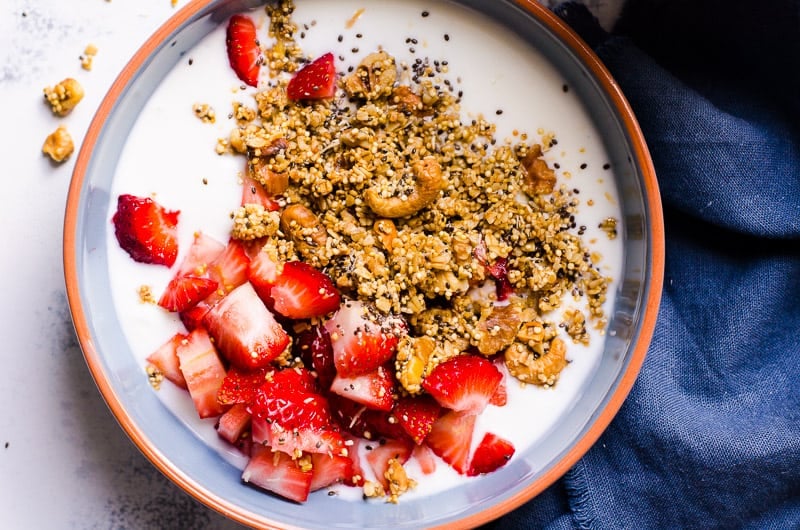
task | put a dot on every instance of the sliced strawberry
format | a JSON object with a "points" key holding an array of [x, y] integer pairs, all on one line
{"points": [[362, 339], [301, 291], [451, 439], [146, 230], [203, 371], [313, 346], [277, 472], [424, 457], [330, 469], [184, 292], [416, 416], [255, 193], [497, 269], [300, 379], [202, 252], [500, 396], [316, 80], [353, 444], [374, 389], [244, 330], [262, 272], [492, 453], [464, 383], [379, 456], [165, 360], [364, 422], [244, 51], [234, 423], [240, 386]]}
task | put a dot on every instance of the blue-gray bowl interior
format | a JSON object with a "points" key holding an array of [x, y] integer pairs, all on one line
{"points": [[204, 466]]}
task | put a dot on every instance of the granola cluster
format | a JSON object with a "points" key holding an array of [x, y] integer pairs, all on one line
{"points": [[423, 213]]}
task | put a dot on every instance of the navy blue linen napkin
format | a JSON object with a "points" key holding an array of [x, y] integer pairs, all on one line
{"points": [[710, 434]]}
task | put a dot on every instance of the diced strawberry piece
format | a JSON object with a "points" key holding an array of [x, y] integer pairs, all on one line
{"points": [[497, 269], [244, 330], [451, 439], [301, 291], [300, 379], [184, 292], [298, 440], [424, 457], [364, 422], [165, 360], [500, 396], [330, 469], [203, 371], [362, 339], [202, 252], [316, 80], [492, 453], [254, 193], [464, 383], [146, 230], [240, 386], [313, 346], [374, 389], [262, 272], [416, 416], [233, 423], [380, 454], [244, 52], [277, 472], [353, 444]]}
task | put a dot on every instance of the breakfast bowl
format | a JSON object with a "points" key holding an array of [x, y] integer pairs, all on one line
{"points": [[173, 129]]}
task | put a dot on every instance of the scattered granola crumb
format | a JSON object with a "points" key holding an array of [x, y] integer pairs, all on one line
{"points": [[609, 226], [87, 58], [64, 96], [154, 376], [399, 481], [146, 295], [58, 145], [204, 112]]}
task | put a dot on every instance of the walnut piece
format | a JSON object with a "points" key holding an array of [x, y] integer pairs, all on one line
{"points": [[58, 145]]}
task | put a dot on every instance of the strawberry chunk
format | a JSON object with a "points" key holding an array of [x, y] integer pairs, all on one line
{"points": [[165, 360], [464, 383], [364, 422], [301, 291], [316, 80], [277, 472], [146, 230], [492, 453], [240, 386], [374, 389], [244, 52], [330, 469], [262, 272], [253, 192], [203, 371], [424, 457], [313, 346], [202, 252], [233, 424], [244, 330], [416, 416], [362, 340], [379, 457], [184, 292], [451, 439]]}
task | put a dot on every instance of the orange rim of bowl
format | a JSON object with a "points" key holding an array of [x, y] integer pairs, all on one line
{"points": [[603, 419]]}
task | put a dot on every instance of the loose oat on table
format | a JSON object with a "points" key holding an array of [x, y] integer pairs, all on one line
{"points": [[58, 145]]}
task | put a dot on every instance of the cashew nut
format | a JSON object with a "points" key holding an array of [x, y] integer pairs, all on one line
{"points": [[428, 182], [373, 78]]}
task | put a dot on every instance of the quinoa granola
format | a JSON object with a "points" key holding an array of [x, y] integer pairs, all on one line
{"points": [[407, 205]]}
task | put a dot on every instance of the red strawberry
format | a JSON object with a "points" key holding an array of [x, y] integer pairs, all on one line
{"points": [[497, 269], [184, 292], [240, 386], [464, 383], [416, 416], [299, 379], [233, 424], [313, 346], [244, 330], [203, 251], [492, 453], [380, 454], [364, 422], [424, 457], [451, 438], [165, 359], [253, 192], [373, 389], [301, 291], [262, 272], [316, 80], [362, 340], [244, 52], [146, 230], [203, 371], [500, 396], [330, 469], [277, 472]]}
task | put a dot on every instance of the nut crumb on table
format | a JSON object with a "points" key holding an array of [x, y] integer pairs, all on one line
{"points": [[64, 96], [87, 58], [58, 145]]}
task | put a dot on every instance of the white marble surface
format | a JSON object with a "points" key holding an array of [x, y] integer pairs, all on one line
{"points": [[64, 461]]}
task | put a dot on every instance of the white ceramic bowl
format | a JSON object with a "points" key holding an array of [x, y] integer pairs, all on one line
{"points": [[171, 442]]}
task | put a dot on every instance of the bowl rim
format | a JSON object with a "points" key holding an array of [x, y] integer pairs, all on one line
{"points": [[650, 303]]}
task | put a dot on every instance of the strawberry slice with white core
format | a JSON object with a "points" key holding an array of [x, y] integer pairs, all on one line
{"points": [[185, 292], [416, 416], [451, 439], [316, 80], [380, 454], [361, 338], [147, 231], [233, 423], [492, 453], [425, 458], [202, 252], [464, 383], [165, 360], [301, 291], [374, 389], [203, 371], [244, 52], [253, 192], [277, 472], [244, 330], [330, 469]]}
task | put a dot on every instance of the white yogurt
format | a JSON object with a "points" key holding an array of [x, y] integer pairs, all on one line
{"points": [[170, 156]]}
